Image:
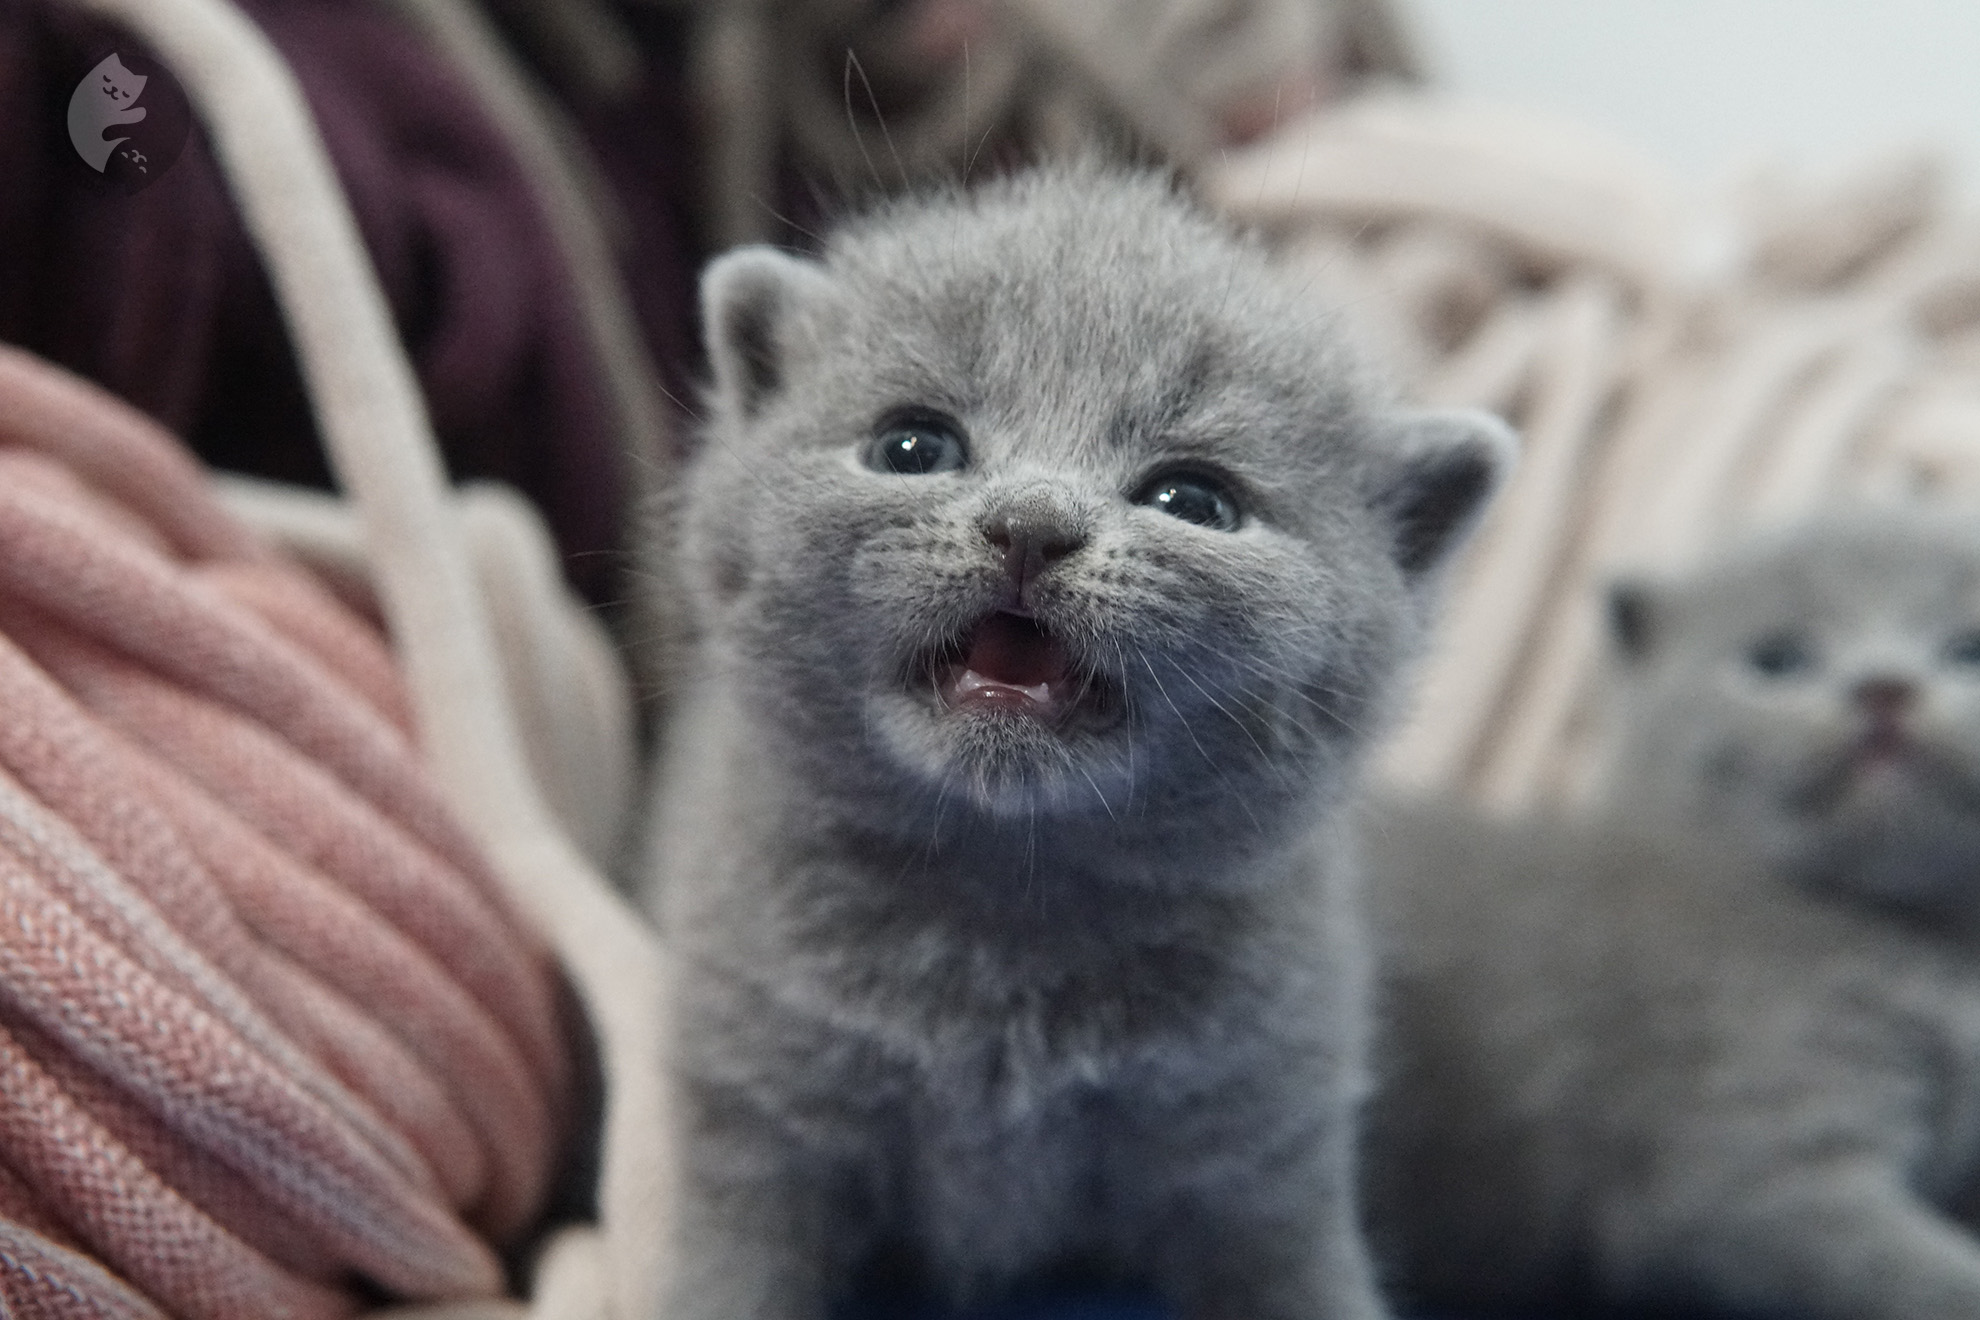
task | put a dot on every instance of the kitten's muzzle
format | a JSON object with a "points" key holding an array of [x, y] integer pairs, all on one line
{"points": [[1884, 746]]}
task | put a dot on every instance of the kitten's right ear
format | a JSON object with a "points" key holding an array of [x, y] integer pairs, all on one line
{"points": [[1634, 610], [1449, 463], [746, 298]]}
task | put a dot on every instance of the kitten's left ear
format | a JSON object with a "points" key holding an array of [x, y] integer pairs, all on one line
{"points": [[1635, 612], [1450, 463]]}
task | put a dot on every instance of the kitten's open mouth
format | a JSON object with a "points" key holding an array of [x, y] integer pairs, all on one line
{"points": [[1011, 664], [1879, 760]]}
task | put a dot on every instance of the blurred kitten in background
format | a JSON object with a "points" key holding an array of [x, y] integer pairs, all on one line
{"points": [[1721, 1044], [1815, 702]]}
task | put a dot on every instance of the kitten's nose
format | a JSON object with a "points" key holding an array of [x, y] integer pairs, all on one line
{"points": [[1883, 697], [1030, 539]]}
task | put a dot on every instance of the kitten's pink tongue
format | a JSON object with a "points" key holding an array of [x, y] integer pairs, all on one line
{"points": [[1010, 663]]}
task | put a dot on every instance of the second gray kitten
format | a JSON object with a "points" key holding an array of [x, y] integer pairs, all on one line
{"points": [[1053, 561], [1814, 701], [1722, 1046]]}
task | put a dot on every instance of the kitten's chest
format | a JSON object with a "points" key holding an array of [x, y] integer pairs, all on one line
{"points": [[1005, 1006], [1006, 1165], [1026, 1094], [1941, 999]]}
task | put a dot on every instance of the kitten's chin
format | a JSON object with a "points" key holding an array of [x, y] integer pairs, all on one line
{"points": [[1891, 821], [999, 755], [1887, 777]]}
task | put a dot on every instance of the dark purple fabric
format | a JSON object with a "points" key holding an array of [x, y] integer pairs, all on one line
{"points": [[159, 297], [647, 147]]}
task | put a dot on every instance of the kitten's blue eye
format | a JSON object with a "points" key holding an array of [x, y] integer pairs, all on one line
{"points": [[1782, 655], [918, 446], [1964, 649], [1193, 497]]}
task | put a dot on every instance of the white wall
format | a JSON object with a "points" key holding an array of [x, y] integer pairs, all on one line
{"points": [[1710, 86]]}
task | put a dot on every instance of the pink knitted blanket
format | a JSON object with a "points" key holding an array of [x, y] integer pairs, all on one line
{"points": [[271, 1041]]}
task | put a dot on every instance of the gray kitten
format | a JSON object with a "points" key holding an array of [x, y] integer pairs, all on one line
{"points": [[1723, 1046], [1052, 562], [1815, 701]]}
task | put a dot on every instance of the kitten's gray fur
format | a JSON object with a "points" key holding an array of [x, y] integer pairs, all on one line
{"points": [[1723, 1046], [1004, 991]]}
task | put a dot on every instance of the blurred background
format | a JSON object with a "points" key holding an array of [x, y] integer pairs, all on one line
{"points": [[1718, 259], [1709, 88]]}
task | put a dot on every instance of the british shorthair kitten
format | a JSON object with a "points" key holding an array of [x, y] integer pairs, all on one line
{"points": [[1053, 563], [1721, 1045]]}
